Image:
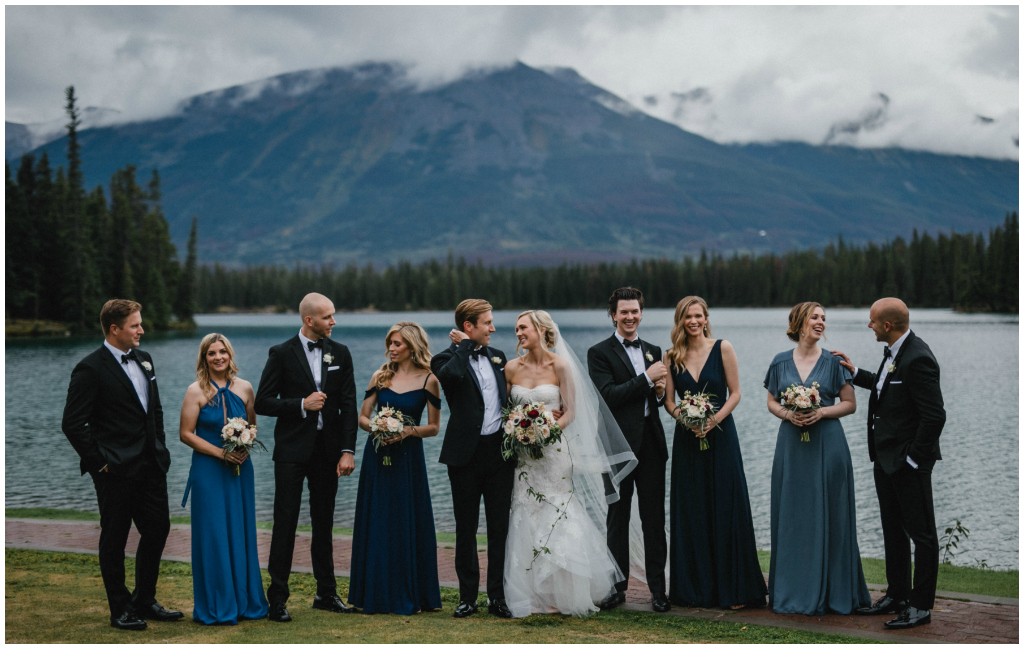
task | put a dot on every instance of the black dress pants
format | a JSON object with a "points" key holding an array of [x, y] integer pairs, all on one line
{"points": [[123, 501], [489, 476], [320, 471], [905, 503], [648, 480]]}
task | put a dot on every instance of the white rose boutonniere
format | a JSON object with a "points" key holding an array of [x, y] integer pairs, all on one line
{"points": [[146, 365], [890, 368], [495, 360], [328, 358], [650, 359]]}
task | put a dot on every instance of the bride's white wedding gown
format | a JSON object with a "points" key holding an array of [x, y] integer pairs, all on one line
{"points": [[579, 570]]}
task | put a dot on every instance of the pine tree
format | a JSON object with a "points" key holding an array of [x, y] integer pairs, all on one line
{"points": [[185, 302]]}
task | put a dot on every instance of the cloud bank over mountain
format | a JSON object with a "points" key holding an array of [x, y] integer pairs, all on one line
{"points": [[949, 75]]}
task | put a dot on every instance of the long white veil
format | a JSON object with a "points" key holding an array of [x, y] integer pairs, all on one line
{"points": [[601, 456]]}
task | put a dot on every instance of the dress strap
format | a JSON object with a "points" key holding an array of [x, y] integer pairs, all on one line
{"points": [[432, 400], [372, 390], [426, 380]]}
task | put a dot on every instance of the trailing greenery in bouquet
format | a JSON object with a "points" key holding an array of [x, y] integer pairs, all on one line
{"points": [[386, 425], [528, 428], [695, 411]]}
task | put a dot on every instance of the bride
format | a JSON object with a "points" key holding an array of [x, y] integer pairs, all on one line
{"points": [[557, 559]]}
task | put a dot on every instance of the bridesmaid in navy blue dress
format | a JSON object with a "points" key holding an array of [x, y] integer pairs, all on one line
{"points": [[815, 565], [394, 549], [226, 581], [712, 552]]}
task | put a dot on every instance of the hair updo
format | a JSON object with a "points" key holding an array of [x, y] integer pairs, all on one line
{"points": [[545, 327], [798, 317]]}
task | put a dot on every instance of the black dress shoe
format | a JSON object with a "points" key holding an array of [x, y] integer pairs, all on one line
{"points": [[909, 618], [499, 608], [885, 604], [278, 613], [659, 603], [465, 608], [613, 600], [156, 612], [331, 603], [128, 621]]}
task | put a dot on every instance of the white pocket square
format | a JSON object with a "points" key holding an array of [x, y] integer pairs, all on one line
{"points": [[332, 368], [152, 378], [895, 382]]}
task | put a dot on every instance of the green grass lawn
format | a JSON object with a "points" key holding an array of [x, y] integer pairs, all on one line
{"points": [[58, 597], [958, 579]]}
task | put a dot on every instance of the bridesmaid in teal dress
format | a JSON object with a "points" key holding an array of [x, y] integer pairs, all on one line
{"points": [[394, 548], [226, 581], [712, 551], [815, 564]]}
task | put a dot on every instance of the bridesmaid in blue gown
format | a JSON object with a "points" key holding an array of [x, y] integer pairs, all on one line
{"points": [[394, 549], [815, 564], [712, 552], [226, 581]]}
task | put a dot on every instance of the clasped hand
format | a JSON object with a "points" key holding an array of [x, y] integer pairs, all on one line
{"points": [[805, 419], [236, 456], [407, 431]]}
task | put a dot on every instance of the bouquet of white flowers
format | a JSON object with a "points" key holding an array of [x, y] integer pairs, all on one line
{"points": [[800, 398], [694, 411], [238, 434], [528, 428], [386, 424]]}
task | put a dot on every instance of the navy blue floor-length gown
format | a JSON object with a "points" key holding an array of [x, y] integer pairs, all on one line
{"points": [[712, 553], [394, 548], [815, 565], [226, 581]]}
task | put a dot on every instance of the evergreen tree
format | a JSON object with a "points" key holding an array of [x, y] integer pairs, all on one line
{"points": [[185, 302]]}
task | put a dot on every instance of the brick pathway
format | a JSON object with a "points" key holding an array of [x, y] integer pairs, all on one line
{"points": [[952, 620]]}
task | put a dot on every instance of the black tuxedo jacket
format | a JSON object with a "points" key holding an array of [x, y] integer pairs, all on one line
{"points": [[287, 380], [105, 422], [908, 416], [625, 391], [465, 399]]}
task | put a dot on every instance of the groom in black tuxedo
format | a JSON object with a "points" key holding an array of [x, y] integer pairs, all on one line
{"points": [[629, 374], [114, 421], [473, 378], [309, 385], [905, 419]]}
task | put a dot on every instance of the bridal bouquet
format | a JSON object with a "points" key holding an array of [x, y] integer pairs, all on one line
{"points": [[694, 411], [386, 424], [528, 428], [800, 398], [238, 434]]}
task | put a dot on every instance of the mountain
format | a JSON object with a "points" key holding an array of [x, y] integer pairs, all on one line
{"points": [[514, 165], [21, 138]]}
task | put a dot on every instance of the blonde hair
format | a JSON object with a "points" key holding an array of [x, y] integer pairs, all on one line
{"points": [[680, 346], [545, 327], [470, 310], [419, 346], [798, 316], [203, 370]]}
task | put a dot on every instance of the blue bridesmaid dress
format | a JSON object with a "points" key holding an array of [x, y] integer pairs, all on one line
{"points": [[226, 581], [394, 549], [712, 553], [815, 564]]}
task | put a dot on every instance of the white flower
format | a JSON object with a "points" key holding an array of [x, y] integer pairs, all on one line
{"points": [[246, 437], [495, 360], [328, 358], [650, 359], [890, 368], [146, 365]]}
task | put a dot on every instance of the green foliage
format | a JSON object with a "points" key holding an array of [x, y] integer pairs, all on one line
{"points": [[962, 271], [950, 540]]}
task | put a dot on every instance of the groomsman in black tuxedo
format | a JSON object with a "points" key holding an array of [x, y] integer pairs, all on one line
{"points": [[309, 385], [905, 419], [473, 378], [630, 376], [114, 421]]}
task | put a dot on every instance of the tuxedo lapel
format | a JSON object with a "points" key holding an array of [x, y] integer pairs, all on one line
{"points": [[300, 353], [120, 375], [620, 351], [895, 362], [498, 377], [472, 374]]}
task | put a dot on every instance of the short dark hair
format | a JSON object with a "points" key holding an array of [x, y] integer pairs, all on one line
{"points": [[115, 312], [624, 293]]}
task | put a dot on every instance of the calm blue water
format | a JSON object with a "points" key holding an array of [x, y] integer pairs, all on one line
{"points": [[977, 482]]}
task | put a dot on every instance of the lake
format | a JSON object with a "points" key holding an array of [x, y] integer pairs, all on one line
{"points": [[977, 482]]}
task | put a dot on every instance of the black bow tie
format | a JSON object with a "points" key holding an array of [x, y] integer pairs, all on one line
{"points": [[312, 345], [631, 343], [130, 356], [887, 353], [476, 353]]}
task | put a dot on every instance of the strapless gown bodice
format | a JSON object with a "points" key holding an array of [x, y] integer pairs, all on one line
{"points": [[547, 394]]}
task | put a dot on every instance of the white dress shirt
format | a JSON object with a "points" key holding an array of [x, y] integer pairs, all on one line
{"points": [[315, 358], [135, 375], [893, 350], [636, 357], [489, 387]]}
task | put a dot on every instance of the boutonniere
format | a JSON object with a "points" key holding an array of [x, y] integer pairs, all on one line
{"points": [[495, 360], [649, 357], [890, 368], [328, 358], [146, 365]]}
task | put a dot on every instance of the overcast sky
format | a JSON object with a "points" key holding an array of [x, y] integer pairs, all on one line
{"points": [[935, 78]]}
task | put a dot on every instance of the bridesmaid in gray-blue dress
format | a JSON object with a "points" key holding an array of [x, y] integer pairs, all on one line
{"points": [[815, 562]]}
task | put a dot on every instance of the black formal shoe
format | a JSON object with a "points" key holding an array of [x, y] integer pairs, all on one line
{"points": [[613, 600], [909, 618], [499, 608], [659, 603], [465, 608], [128, 621], [331, 603], [278, 613], [885, 604], [156, 612]]}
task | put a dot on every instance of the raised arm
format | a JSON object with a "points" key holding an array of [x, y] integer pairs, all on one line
{"points": [[82, 394], [451, 365], [614, 395]]}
